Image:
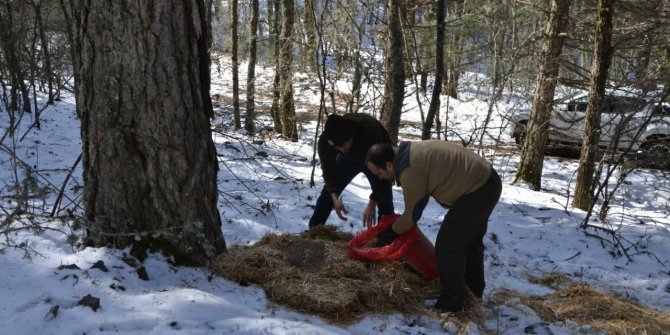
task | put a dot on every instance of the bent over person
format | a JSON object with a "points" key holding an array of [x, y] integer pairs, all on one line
{"points": [[342, 148], [459, 180]]}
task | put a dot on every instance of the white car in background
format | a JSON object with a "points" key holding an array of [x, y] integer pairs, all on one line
{"points": [[627, 124]]}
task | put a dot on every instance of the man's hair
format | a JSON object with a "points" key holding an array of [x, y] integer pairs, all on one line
{"points": [[338, 130], [380, 154]]}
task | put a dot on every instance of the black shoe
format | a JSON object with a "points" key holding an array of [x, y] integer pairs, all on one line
{"points": [[441, 309]]}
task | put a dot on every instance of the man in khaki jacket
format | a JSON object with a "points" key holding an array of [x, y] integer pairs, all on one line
{"points": [[458, 179]]}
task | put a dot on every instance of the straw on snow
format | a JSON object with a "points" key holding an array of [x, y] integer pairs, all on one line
{"points": [[310, 272]]}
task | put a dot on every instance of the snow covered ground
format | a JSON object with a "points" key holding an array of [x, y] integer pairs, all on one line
{"points": [[531, 235]]}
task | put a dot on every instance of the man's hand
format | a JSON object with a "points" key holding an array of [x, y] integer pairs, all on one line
{"points": [[369, 218], [387, 236], [339, 207]]}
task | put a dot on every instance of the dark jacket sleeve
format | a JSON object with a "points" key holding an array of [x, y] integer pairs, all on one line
{"points": [[379, 188], [327, 155]]}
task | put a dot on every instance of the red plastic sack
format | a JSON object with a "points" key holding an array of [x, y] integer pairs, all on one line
{"points": [[412, 246]]}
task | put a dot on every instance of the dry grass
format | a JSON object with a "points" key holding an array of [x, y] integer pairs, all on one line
{"points": [[552, 280], [311, 272], [586, 306]]}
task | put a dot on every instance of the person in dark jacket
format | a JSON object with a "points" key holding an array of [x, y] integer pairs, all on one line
{"points": [[458, 179], [342, 148]]}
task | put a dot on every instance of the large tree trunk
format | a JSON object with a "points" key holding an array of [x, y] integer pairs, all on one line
{"points": [[289, 127], [394, 88], [149, 160], [251, 69], [439, 69], [602, 57], [532, 154]]}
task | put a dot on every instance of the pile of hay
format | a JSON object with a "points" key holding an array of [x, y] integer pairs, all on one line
{"points": [[311, 272], [585, 305]]}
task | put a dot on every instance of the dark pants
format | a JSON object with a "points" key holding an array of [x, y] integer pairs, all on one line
{"points": [[459, 246], [348, 169]]}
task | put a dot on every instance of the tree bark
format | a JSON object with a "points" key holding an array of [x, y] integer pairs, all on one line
{"points": [[10, 44], [274, 45], [532, 153], [273, 27], [70, 11], [251, 70], [34, 60], [310, 32], [289, 128], [149, 160], [410, 53], [236, 64], [455, 54], [602, 58], [394, 88], [439, 70], [357, 80], [47, 56]]}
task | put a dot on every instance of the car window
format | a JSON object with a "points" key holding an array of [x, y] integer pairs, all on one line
{"points": [[578, 105], [610, 105], [629, 105]]}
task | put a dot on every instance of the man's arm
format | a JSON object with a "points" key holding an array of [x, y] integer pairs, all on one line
{"points": [[327, 155], [415, 191]]}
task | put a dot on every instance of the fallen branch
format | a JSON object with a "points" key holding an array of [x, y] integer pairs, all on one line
{"points": [[62, 189]]}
